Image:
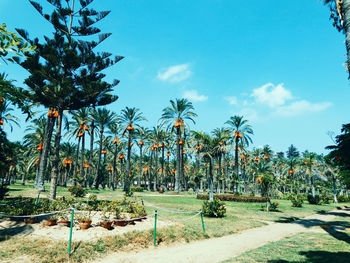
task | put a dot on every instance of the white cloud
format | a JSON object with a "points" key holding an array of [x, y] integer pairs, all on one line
{"points": [[175, 73], [232, 100], [272, 95], [193, 95], [301, 107]]}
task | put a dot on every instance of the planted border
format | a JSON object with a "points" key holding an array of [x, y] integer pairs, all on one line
{"points": [[234, 198]]}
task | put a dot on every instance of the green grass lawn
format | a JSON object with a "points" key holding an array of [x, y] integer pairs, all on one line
{"points": [[240, 216], [302, 247]]}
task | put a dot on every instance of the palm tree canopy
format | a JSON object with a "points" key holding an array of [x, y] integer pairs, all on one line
{"points": [[239, 125], [180, 110]]}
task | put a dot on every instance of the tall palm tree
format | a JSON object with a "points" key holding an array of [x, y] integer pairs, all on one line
{"points": [[102, 118], [115, 130], [142, 134], [222, 135], [175, 116], [309, 161], [130, 118], [81, 118], [241, 131], [340, 14]]}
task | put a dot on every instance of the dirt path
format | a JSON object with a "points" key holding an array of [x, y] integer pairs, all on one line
{"points": [[219, 249]]}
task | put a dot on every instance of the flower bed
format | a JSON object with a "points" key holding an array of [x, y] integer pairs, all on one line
{"points": [[234, 198]]}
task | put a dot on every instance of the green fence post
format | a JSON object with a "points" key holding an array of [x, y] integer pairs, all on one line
{"points": [[37, 199], [155, 228], [202, 221], [71, 230]]}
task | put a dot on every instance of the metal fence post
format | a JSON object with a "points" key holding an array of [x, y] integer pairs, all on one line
{"points": [[71, 230], [155, 228], [202, 221]]}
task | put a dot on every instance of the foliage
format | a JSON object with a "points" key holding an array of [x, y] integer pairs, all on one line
{"points": [[297, 200], [77, 191], [215, 208], [266, 182], [136, 189], [235, 198], [343, 199], [273, 206], [316, 200]]}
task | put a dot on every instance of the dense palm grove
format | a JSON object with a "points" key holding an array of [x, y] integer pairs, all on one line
{"points": [[78, 141]]}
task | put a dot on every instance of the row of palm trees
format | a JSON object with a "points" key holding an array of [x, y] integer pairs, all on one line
{"points": [[169, 155]]}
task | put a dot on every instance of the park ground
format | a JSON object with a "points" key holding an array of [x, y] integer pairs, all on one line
{"points": [[327, 239]]}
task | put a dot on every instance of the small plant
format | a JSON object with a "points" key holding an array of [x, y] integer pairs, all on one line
{"points": [[314, 200], [77, 191], [274, 206], [297, 200], [343, 198], [325, 198], [215, 208]]}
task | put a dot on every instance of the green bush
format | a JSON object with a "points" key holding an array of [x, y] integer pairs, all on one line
{"points": [[136, 189], [297, 200], [215, 208], [316, 200], [325, 198], [77, 191], [274, 206], [343, 199], [234, 198]]}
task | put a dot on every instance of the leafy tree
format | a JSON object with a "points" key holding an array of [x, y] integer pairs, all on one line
{"points": [[65, 70]]}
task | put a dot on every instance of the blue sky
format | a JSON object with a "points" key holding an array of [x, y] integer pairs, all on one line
{"points": [[278, 63]]}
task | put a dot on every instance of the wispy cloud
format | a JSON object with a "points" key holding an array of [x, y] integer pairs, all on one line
{"points": [[232, 100], [301, 107], [272, 95], [193, 95], [175, 73]]}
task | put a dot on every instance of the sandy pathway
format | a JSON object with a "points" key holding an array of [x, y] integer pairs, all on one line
{"points": [[219, 249]]}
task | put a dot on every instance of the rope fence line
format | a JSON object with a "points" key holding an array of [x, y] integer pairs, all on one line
{"points": [[180, 220]]}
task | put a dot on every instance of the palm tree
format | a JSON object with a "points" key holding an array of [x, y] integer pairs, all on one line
{"points": [[222, 135], [340, 14], [175, 116], [241, 131], [103, 118], [80, 120], [115, 130], [130, 117], [309, 161], [209, 152], [6, 116], [142, 134]]}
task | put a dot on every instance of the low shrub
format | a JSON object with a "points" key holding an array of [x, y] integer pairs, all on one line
{"points": [[343, 199], [234, 198], [215, 208], [77, 191], [274, 206], [297, 200], [136, 189], [325, 198], [314, 200]]}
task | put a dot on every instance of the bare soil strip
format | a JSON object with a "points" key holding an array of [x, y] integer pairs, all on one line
{"points": [[219, 249]]}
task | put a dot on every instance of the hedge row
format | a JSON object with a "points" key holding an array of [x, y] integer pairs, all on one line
{"points": [[234, 198]]}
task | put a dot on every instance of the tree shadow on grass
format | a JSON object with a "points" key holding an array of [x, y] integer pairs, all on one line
{"points": [[319, 257], [15, 229]]}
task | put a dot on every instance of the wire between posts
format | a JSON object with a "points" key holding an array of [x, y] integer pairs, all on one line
{"points": [[108, 219], [180, 220]]}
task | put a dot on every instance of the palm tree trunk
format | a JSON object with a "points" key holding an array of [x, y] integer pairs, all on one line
{"points": [[155, 171], [128, 168], [76, 165], [211, 181], [98, 168], [334, 189], [237, 164], [140, 174], [56, 157], [40, 177], [92, 132], [24, 177], [150, 171], [162, 174], [178, 160], [114, 174], [82, 171]]}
